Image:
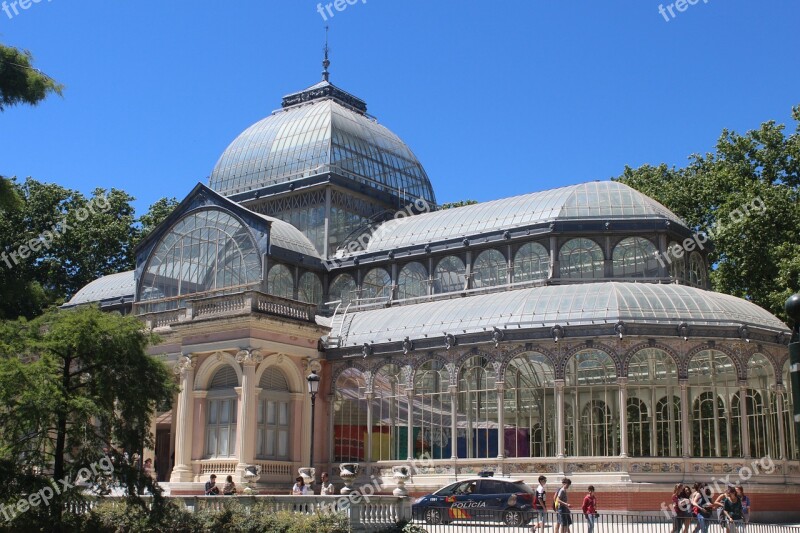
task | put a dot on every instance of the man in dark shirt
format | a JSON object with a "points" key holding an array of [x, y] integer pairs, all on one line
{"points": [[211, 486]]}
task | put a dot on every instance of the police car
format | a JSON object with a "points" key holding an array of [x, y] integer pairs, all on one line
{"points": [[482, 498]]}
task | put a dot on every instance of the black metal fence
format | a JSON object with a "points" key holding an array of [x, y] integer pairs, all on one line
{"points": [[448, 519]]}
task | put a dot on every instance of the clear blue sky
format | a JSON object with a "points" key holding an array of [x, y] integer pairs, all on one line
{"points": [[496, 98]]}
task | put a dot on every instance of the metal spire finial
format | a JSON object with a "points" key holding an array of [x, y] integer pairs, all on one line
{"points": [[326, 63]]}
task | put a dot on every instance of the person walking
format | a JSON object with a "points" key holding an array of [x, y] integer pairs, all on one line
{"points": [[540, 505], [745, 504], [589, 508], [562, 506]]}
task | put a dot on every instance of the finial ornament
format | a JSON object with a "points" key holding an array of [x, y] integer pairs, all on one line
{"points": [[326, 62]]}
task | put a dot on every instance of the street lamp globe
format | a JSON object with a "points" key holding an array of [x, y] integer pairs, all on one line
{"points": [[313, 383]]}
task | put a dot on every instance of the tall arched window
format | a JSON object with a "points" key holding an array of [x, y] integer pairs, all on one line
{"points": [[592, 391], [343, 288], [349, 416], [490, 269], [712, 384], [377, 284], [762, 418], [653, 381], [309, 289], [205, 251], [697, 270], [635, 257], [389, 415], [529, 406], [433, 437], [223, 408], [450, 275], [273, 416], [280, 281], [412, 281], [677, 265], [788, 414], [581, 258], [477, 409], [531, 262]]}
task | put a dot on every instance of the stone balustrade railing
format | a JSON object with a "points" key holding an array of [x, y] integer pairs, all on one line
{"points": [[238, 303]]}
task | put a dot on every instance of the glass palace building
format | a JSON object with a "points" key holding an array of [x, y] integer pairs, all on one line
{"points": [[554, 333]]}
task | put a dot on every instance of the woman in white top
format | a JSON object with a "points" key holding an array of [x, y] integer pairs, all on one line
{"points": [[300, 488], [326, 488]]}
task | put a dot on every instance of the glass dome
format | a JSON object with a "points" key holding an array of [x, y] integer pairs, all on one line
{"points": [[320, 130]]}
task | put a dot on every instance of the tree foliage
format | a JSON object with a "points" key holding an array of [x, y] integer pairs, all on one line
{"points": [[157, 213], [756, 257], [76, 387], [20, 82]]}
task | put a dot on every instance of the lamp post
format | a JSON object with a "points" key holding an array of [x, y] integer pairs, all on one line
{"points": [[793, 311], [313, 387]]}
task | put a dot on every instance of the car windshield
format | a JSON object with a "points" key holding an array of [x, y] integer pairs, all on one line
{"points": [[460, 487]]}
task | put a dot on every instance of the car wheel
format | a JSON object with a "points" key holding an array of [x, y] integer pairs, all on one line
{"points": [[513, 517], [434, 516]]}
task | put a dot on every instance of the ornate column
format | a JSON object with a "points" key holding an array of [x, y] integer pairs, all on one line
{"points": [[559, 418], [501, 420], [623, 416], [743, 417], [686, 409], [368, 452], [779, 390], [246, 426], [182, 471], [410, 443], [453, 389]]}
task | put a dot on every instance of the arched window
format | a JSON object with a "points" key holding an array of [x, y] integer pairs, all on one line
{"points": [[280, 281], [377, 284], [639, 426], [581, 258], [412, 281], [309, 290], [635, 257], [432, 411], [223, 408], [490, 269], [205, 251], [273, 416], [787, 415], [477, 409], [762, 408], [677, 265], [450, 276], [343, 287], [349, 417], [712, 384], [697, 270], [592, 391], [532, 262], [389, 415], [529, 406], [653, 380]]}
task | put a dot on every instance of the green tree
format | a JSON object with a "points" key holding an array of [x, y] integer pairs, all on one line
{"points": [[462, 203], [756, 256], [76, 387], [157, 213], [57, 241], [20, 81]]}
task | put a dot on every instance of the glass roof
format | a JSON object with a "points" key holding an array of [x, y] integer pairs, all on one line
{"points": [[600, 200], [318, 137], [566, 305], [122, 285]]}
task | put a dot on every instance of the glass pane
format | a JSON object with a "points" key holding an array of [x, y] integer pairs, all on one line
{"points": [[283, 419], [270, 412], [211, 443], [213, 406], [224, 433], [224, 411], [270, 442], [283, 443]]}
